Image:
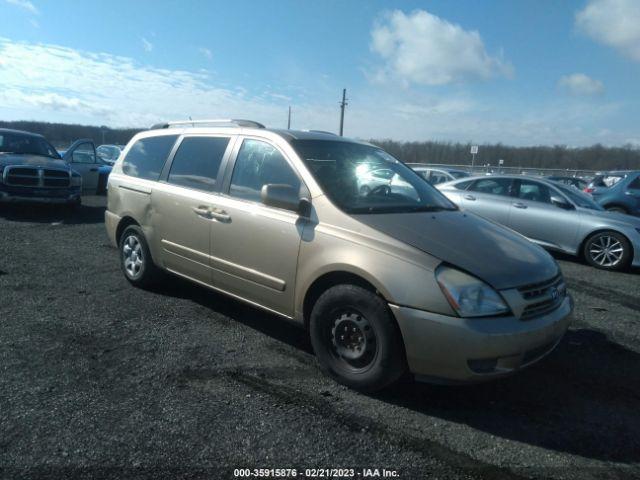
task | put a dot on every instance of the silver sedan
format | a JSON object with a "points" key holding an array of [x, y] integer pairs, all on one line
{"points": [[552, 215]]}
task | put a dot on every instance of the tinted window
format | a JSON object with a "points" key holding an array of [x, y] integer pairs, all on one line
{"points": [[197, 162], [84, 153], [437, 177], [534, 191], [494, 186], [259, 164], [147, 156]]}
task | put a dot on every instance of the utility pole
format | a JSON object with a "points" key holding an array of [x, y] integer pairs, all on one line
{"points": [[289, 119], [342, 105]]}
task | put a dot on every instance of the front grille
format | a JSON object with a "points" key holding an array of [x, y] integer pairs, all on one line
{"points": [[37, 177], [543, 297]]}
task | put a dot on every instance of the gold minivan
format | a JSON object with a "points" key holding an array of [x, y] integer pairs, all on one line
{"points": [[383, 270]]}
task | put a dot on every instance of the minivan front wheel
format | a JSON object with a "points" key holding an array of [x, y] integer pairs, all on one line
{"points": [[356, 339], [608, 251], [135, 258]]}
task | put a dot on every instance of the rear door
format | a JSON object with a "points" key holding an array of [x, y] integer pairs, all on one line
{"points": [[534, 216], [489, 197], [633, 191], [82, 158], [183, 201]]}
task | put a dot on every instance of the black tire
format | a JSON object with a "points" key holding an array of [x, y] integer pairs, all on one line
{"points": [[146, 273], [377, 364], [617, 209], [597, 242]]}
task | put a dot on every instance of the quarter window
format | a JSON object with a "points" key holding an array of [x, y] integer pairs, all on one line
{"points": [[147, 156], [260, 164], [197, 162], [635, 184]]}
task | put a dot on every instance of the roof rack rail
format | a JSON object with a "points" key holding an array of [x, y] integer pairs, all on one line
{"points": [[323, 131], [218, 122]]}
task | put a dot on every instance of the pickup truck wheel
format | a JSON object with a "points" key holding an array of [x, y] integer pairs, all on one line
{"points": [[607, 251], [135, 258], [356, 339]]}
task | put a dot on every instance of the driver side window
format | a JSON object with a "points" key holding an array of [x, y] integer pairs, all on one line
{"points": [[259, 164], [84, 153], [534, 191]]}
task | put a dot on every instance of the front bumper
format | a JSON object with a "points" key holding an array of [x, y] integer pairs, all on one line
{"points": [[38, 195], [447, 349]]}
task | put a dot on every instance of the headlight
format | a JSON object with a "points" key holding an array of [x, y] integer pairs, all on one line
{"points": [[76, 180], [469, 296]]}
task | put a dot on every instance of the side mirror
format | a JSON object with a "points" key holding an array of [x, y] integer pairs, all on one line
{"points": [[561, 202], [283, 196]]}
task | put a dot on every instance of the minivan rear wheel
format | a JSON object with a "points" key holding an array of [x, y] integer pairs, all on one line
{"points": [[356, 339], [135, 258], [608, 251]]}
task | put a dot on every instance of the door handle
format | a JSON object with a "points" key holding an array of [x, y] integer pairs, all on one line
{"points": [[202, 212], [519, 205], [469, 197], [220, 215]]}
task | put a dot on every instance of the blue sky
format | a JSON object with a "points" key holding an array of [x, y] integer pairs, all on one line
{"points": [[524, 73]]}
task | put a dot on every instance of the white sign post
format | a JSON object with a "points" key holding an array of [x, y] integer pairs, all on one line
{"points": [[474, 152]]}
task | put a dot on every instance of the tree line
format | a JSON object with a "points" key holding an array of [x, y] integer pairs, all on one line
{"points": [[595, 157]]}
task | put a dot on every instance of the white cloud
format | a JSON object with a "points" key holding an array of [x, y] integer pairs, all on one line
{"points": [[615, 23], [146, 44], [424, 49], [60, 84], [581, 84], [208, 54], [24, 4]]}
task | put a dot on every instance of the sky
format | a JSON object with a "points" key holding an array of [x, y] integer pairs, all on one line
{"points": [[526, 72]]}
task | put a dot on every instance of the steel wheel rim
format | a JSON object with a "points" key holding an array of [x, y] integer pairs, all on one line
{"points": [[353, 341], [132, 256], [606, 251]]}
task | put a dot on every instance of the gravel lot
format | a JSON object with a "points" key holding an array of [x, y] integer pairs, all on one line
{"points": [[102, 380]]}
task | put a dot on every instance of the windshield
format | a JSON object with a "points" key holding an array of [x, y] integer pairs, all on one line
{"points": [[365, 179], [26, 145], [579, 198]]}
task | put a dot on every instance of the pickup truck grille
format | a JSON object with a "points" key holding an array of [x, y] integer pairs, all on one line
{"points": [[543, 297], [36, 177]]}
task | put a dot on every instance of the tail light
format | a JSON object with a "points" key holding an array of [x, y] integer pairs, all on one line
{"points": [[589, 190]]}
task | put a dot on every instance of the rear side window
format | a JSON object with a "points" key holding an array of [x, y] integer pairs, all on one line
{"points": [[259, 164], [197, 162], [463, 185], [147, 156]]}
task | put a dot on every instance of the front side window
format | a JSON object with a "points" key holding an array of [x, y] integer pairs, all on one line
{"points": [[534, 191], [147, 156], [345, 172], [197, 161], [258, 164], [635, 184], [492, 186], [84, 153]]}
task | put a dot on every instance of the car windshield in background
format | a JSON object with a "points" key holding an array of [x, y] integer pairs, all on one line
{"points": [[26, 145], [579, 198], [362, 178]]}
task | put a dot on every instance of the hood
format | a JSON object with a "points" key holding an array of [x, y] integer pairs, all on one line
{"points": [[491, 252], [32, 160]]}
